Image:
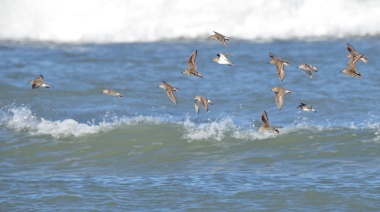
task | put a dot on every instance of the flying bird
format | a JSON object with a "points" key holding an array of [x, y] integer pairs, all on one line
{"points": [[221, 38], [351, 69], [279, 65], [307, 68], [266, 125], [201, 100], [192, 68], [222, 59], [353, 53], [112, 93], [306, 107], [39, 82], [279, 94], [169, 90]]}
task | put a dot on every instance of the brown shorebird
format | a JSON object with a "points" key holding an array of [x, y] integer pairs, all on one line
{"points": [[307, 68], [221, 38], [279, 93], [39, 82], [169, 90], [192, 68], [112, 93], [306, 107], [279, 65], [353, 53], [266, 125], [201, 100], [222, 59], [351, 69]]}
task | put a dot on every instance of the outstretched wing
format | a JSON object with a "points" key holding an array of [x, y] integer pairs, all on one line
{"points": [[280, 70], [280, 99], [196, 105], [272, 55], [264, 119], [191, 61], [171, 95], [351, 49]]}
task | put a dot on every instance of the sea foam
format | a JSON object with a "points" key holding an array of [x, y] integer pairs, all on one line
{"points": [[103, 21], [22, 119]]}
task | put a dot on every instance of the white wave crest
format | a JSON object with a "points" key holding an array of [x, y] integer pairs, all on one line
{"points": [[213, 130], [136, 21], [22, 119], [218, 130]]}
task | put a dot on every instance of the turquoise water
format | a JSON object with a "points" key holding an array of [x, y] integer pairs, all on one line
{"points": [[73, 148]]}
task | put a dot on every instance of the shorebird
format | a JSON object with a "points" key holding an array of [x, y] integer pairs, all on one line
{"points": [[220, 37], [112, 93], [279, 93], [203, 100], [39, 82], [279, 65], [353, 53], [222, 59], [169, 90], [306, 107], [351, 69], [192, 68], [266, 125], [307, 68]]}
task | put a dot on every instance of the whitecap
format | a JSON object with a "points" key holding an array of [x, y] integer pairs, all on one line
{"points": [[22, 119], [104, 21]]}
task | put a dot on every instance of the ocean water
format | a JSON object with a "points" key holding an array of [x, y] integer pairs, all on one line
{"points": [[73, 148]]}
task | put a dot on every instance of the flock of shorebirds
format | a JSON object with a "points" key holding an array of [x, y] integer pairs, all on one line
{"points": [[222, 58]]}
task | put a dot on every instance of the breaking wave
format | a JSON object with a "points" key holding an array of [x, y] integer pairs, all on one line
{"points": [[104, 21]]}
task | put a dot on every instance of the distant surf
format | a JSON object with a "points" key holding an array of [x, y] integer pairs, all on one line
{"points": [[105, 21]]}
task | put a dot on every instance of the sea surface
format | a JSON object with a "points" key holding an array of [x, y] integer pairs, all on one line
{"points": [[72, 148]]}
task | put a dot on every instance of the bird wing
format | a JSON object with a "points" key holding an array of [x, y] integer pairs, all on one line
{"points": [[308, 72], [280, 70], [224, 58], [312, 68], [264, 119], [351, 49], [191, 61], [280, 99], [170, 93], [221, 38], [196, 105], [272, 55], [352, 62], [227, 54], [35, 85], [204, 103]]}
